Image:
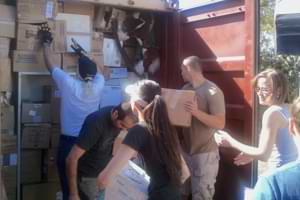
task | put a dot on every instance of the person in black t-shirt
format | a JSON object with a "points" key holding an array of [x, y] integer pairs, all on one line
{"points": [[93, 149], [155, 138]]}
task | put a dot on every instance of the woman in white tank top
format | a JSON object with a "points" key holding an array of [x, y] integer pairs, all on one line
{"points": [[276, 145]]}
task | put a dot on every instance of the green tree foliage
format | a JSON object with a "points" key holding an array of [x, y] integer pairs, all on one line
{"points": [[289, 64]]}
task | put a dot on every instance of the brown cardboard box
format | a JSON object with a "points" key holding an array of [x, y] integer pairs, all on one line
{"points": [[9, 175], [27, 37], [175, 100], [70, 61], [36, 137], [8, 144], [36, 11], [59, 36], [54, 136], [32, 61], [97, 42], [4, 47], [5, 75], [36, 113], [7, 21], [7, 119], [50, 169], [45, 191], [31, 166], [78, 8]]}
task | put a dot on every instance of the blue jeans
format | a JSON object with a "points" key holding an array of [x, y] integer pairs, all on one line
{"points": [[65, 145]]}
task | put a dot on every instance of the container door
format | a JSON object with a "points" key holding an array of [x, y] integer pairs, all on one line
{"points": [[222, 34]]}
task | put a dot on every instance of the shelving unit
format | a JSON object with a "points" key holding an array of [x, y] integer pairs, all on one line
{"points": [[21, 77], [28, 92]]}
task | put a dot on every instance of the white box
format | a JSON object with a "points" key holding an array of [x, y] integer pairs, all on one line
{"points": [[112, 56], [76, 23], [83, 40], [118, 72], [131, 184], [77, 27]]}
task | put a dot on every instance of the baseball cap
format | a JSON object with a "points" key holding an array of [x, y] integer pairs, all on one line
{"points": [[87, 68]]}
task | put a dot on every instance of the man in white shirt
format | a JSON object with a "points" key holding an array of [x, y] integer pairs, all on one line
{"points": [[80, 96]]}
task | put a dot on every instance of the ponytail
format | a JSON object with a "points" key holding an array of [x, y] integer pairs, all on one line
{"points": [[165, 141]]}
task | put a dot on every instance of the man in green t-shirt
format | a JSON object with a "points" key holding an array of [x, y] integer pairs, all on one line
{"points": [[199, 147]]}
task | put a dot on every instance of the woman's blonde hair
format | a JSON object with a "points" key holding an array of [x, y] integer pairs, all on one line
{"points": [[279, 84], [295, 112]]}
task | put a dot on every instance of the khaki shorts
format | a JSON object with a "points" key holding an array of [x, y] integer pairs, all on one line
{"points": [[204, 170], [88, 189]]}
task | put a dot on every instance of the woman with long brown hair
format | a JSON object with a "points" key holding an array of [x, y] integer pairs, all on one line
{"points": [[276, 145], [155, 139]]}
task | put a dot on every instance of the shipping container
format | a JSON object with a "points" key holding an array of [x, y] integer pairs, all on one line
{"points": [[223, 34]]}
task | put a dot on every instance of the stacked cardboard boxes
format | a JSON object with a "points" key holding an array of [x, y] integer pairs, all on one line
{"points": [[28, 57], [41, 119], [35, 115], [7, 32], [78, 18], [8, 144]]}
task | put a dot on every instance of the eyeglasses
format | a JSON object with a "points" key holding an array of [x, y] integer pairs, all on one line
{"points": [[263, 89]]}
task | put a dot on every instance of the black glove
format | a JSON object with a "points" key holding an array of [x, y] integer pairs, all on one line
{"points": [[45, 34]]}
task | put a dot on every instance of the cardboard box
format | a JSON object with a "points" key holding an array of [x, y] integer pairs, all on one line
{"points": [[4, 47], [27, 37], [36, 137], [112, 56], [28, 40], [36, 113], [79, 28], [5, 75], [50, 167], [9, 177], [97, 42], [78, 8], [54, 137], [70, 61], [45, 191], [131, 183], [175, 100], [59, 36], [31, 166], [8, 143], [7, 119], [7, 21], [32, 61], [36, 11]]}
